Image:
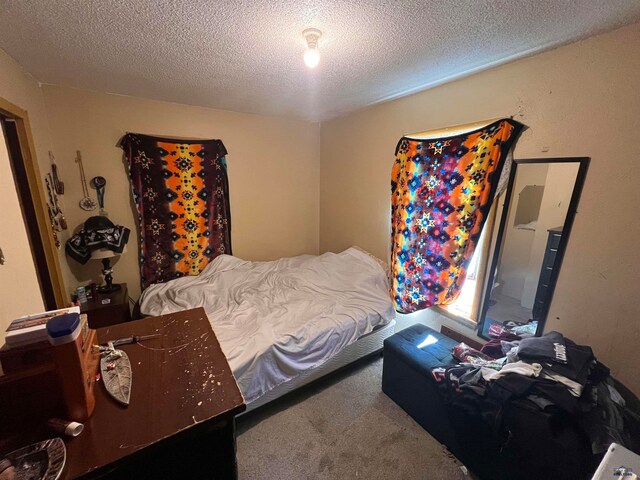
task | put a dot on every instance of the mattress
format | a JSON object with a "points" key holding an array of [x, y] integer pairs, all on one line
{"points": [[275, 320], [367, 345]]}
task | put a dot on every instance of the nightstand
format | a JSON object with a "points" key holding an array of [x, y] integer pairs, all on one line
{"points": [[108, 309]]}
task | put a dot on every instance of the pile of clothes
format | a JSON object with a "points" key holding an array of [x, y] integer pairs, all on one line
{"points": [[549, 373]]}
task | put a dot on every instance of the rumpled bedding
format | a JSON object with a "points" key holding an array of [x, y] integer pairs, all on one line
{"points": [[276, 319]]}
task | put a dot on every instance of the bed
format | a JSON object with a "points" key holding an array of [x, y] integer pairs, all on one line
{"points": [[286, 322]]}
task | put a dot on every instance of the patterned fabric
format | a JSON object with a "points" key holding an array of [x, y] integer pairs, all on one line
{"points": [[181, 192], [442, 190], [98, 232]]}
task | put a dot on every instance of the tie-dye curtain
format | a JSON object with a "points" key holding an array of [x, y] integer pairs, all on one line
{"points": [[181, 192], [442, 190]]}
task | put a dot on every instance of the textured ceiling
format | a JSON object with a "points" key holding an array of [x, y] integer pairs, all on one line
{"points": [[246, 55]]}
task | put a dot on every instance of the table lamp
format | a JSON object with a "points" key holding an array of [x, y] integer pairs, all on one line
{"points": [[106, 255], [99, 239]]}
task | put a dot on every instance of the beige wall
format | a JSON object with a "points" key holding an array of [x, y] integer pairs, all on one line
{"points": [[21, 89], [273, 171], [19, 290], [581, 99]]}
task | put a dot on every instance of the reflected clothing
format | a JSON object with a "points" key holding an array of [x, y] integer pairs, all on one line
{"points": [[441, 193]]}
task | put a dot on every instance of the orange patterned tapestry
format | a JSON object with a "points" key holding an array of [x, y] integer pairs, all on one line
{"points": [[181, 192], [441, 192]]}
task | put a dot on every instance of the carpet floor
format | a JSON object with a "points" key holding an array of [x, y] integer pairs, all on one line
{"points": [[340, 427]]}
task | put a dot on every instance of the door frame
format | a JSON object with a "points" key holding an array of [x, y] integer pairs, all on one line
{"points": [[34, 210]]}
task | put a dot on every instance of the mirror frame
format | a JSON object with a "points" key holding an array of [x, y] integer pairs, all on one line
{"points": [[583, 166]]}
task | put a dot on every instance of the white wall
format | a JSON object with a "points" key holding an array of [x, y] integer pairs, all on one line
{"points": [[578, 100]]}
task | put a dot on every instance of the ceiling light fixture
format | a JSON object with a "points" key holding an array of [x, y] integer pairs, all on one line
{"points": [[312, 55]]}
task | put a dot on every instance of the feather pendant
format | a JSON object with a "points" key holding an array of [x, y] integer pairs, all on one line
{"points": [[116, 375]]}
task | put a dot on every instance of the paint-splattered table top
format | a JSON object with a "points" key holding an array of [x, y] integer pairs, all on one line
{"points": [[181, 380]]}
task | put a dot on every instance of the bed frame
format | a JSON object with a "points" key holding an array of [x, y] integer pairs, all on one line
{"points": [[365, 345]]}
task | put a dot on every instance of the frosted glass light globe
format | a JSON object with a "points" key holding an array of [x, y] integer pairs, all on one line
{"points": [[312, 58]]}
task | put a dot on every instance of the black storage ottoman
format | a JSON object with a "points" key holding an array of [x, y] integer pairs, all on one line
{"points": [[409, 357], [407, 379], [532, 449]]}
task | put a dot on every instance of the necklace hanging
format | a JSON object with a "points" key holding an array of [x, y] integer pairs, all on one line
{"points": [[86, 203], [100, 183]]}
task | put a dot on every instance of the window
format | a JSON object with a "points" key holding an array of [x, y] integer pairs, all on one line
{"points": [[469, 303]]}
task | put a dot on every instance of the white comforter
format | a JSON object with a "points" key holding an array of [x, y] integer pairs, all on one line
{"points": [[276, 319]]}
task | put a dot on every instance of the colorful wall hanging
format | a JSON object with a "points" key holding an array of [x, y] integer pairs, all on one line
{"points": [[441, 193], [181, 192]]}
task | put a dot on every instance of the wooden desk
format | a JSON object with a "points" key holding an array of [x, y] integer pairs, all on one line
{"points": [[180, 423]]}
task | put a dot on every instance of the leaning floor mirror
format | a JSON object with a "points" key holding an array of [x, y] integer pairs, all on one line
{"points": [[530, 242]]}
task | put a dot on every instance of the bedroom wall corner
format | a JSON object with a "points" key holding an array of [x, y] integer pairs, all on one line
{"points": [[578, 100], [274, 168]]}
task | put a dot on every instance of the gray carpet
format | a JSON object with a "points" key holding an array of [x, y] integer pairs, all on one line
{"points": [[341, 427]]}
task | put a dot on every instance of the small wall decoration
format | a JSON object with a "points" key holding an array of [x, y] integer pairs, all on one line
{"points": [[99, 184], [86, 203], [57, 183]]}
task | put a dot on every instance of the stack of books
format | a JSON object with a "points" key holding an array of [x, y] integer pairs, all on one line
{"points": [[33, 328]]}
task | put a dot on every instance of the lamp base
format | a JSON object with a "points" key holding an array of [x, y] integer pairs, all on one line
{"points": [[109, 286], [114, 287]]}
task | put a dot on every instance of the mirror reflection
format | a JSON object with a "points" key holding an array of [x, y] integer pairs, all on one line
{"points": [[521, 290]]}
